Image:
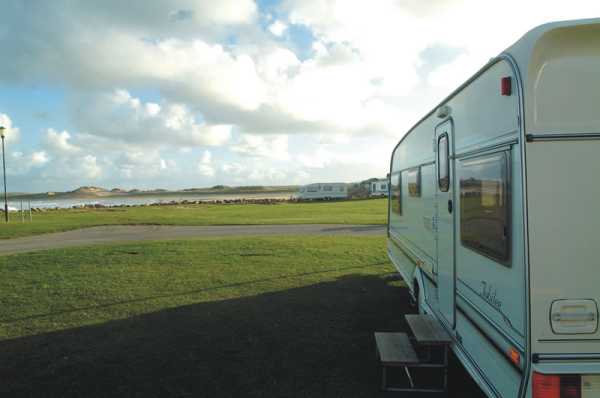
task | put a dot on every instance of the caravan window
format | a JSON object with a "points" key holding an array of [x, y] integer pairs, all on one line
{"points": [[396, 199], [413, 181], [443, 169], [312, 188], [328, 188], [484, 205]]}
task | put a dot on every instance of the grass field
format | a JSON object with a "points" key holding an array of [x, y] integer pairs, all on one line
{"points": [[347, 212], [210, 317], [118, 281], [234, 317]]}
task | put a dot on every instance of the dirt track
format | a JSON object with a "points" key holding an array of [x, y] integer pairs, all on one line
{"points": [[130, 233]]}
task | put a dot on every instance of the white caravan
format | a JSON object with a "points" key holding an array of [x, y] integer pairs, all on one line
{"points": [[379, 188], [494, 215], [325, 191]]}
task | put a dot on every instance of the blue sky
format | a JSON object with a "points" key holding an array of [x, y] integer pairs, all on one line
{"points": [[194, 93]]}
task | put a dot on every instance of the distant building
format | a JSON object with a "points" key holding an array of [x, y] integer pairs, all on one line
{"points": [[378, 187], [323, 191]]}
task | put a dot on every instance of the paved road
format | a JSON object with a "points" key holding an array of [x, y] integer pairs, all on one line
{"points": [[130, 233]]}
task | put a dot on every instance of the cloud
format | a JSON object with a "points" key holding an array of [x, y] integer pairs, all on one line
{"points": [[11, 132], [278, 28], [122, 117], [206, 157], [59, 142], [205, 167], [273, 147], [206, 170], [90, 167], [320, 89], [260, 87], [39, 158]]}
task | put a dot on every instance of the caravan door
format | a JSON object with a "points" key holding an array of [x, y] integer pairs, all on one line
{"points": [[445, 219]]}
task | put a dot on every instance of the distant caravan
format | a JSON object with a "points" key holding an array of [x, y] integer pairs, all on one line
{"points": [[494, 216], [379, 188], [325, 191]]}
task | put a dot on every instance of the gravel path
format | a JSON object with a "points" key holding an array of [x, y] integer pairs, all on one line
{"points": [[131, 233]]}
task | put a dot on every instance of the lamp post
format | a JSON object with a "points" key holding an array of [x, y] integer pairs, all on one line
{"points": [[2, 129]]}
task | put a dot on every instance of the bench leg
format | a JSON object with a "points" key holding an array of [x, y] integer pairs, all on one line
{"points": [[384, 378], [445, 368], [410, 380]]}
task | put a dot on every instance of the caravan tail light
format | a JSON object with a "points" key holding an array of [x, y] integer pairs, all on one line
{"points": [[546, 386], [506, 86], [556, 386]]}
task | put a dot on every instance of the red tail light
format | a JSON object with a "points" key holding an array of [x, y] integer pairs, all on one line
{"points": [[506, 86], [546, 386], [556, 386]]}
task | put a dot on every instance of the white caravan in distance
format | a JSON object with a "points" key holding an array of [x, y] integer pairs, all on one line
{"points": [[494, 215], [324, 191], [379, 188]]}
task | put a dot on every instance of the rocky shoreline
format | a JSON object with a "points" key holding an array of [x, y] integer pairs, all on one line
{"points": [[264, 201]]}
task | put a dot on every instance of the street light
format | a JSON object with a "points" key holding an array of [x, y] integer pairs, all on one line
{"points": [[2, 129]]}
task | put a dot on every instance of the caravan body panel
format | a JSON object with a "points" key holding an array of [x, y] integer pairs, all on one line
{"points": [[466, 290], [525, 216], [563, 190]]}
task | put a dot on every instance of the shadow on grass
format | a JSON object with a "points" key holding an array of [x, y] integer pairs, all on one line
{"points": [[314, 341]]}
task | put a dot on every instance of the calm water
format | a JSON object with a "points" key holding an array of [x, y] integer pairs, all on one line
{"points": [[140, 200]]}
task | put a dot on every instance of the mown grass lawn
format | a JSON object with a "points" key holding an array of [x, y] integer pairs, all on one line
{"points": [[233, 317], [58, 289], [243, 317], [344, 212]]}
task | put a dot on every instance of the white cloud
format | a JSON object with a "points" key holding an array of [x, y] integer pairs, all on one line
{"points": [[277, 28], [120, 116], [39, 158], [206, 170], [11, 133], [232, 168], [59, 142], [90, 167], [218, 78], [273, 147], [205, 167], [268, 175], [206, 157]]}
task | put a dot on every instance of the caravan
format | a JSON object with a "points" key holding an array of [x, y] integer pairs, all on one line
{"points": [[324, 191], [379, 188], [494, 215]]}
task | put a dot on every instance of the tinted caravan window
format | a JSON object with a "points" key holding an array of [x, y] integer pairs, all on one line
{"points": [[484, 207], [413, 181], [396, 200], [443, 169]]}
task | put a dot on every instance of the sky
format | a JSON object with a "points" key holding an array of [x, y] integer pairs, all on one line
{"points": [[194, 93]]}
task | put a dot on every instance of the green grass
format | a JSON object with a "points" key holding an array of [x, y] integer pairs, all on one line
{"points": [[210, 317], [346, 212], [58, 289], [234, 317]]}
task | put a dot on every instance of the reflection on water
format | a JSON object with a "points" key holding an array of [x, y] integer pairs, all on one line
{"points": [[52, 203]]}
